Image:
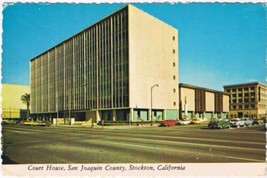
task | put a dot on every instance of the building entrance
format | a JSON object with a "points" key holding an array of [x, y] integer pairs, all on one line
{"points": [[240, 114]]}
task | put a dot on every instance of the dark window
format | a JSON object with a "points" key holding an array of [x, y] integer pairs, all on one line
{"points": [[173, 64], [173, 38], [173, 51]]}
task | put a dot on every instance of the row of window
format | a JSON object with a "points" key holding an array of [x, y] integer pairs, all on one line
{"points": [[244, 95], [174, 65], [243, 100], [252, 106], [240, 89]]}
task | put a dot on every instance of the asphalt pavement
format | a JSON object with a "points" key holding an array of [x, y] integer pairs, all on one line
{"points": [[132, 144]]}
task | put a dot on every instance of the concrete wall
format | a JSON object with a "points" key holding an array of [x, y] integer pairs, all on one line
{"points": [[11, 100], [226, 103], [190, 98], [210, 102], [153, 58]]}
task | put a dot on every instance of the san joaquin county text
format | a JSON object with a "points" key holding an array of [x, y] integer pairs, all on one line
{"points": [[108, 167]]}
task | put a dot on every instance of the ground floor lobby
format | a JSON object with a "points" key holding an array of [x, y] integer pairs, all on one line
{"points": [[108, 116]]}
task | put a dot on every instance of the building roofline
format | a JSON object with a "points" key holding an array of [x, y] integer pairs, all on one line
{"points": [[243, 84], [92, 25], [95, 23], [200, 88]]}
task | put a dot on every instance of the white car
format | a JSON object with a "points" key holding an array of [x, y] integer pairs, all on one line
{"points": [[248, 121], [236, 122], [184, 122]]}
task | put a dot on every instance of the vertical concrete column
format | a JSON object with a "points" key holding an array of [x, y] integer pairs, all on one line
{"points": [[149, 115], [164, 115], [114, 115], [98, 116], [131, 114]]}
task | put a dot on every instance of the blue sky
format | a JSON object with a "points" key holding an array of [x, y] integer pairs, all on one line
{"points": [[219, 44]]}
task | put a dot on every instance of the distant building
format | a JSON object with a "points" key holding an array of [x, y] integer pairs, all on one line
{"points": [[106, 72], [199, 102], [247, 100], [12, 106]]}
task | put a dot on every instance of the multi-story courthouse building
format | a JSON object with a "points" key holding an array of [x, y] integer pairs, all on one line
{"points": [[247, 100], [115, 70], [199, 102]]}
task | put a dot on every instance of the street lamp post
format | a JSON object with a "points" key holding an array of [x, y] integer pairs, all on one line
{"points": [[156, 85]]}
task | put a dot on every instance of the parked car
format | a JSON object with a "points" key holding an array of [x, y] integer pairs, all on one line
{"points": [[256, 122], [248, 121], [4, 122], [219, 124], [195, 121], [183, 122], [22, 122], [236, 122], [168, 123]]}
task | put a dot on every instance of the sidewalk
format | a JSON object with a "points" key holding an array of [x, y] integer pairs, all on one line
{"points": [[107, 127]]}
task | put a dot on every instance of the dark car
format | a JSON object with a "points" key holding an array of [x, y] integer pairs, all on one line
{"points": [[4, 122], [256, 122], [219, 124], [168, 123]]}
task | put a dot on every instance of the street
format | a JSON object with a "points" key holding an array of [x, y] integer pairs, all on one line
{"points": [[179, 144]]}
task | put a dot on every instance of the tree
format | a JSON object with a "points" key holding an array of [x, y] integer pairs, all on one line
{"points": [[26, 100]]}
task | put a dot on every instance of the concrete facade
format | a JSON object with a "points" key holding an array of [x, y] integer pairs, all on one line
{"points": [[247, 100], [12, 106], [198, 102], [107, 71]]}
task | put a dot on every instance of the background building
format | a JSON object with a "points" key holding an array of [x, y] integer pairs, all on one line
{"points": [[12, 106], [106, 72], [198, 102], [247, 100]]}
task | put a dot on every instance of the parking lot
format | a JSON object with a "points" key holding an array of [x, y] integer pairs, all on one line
{"points": [[116, 144]]}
